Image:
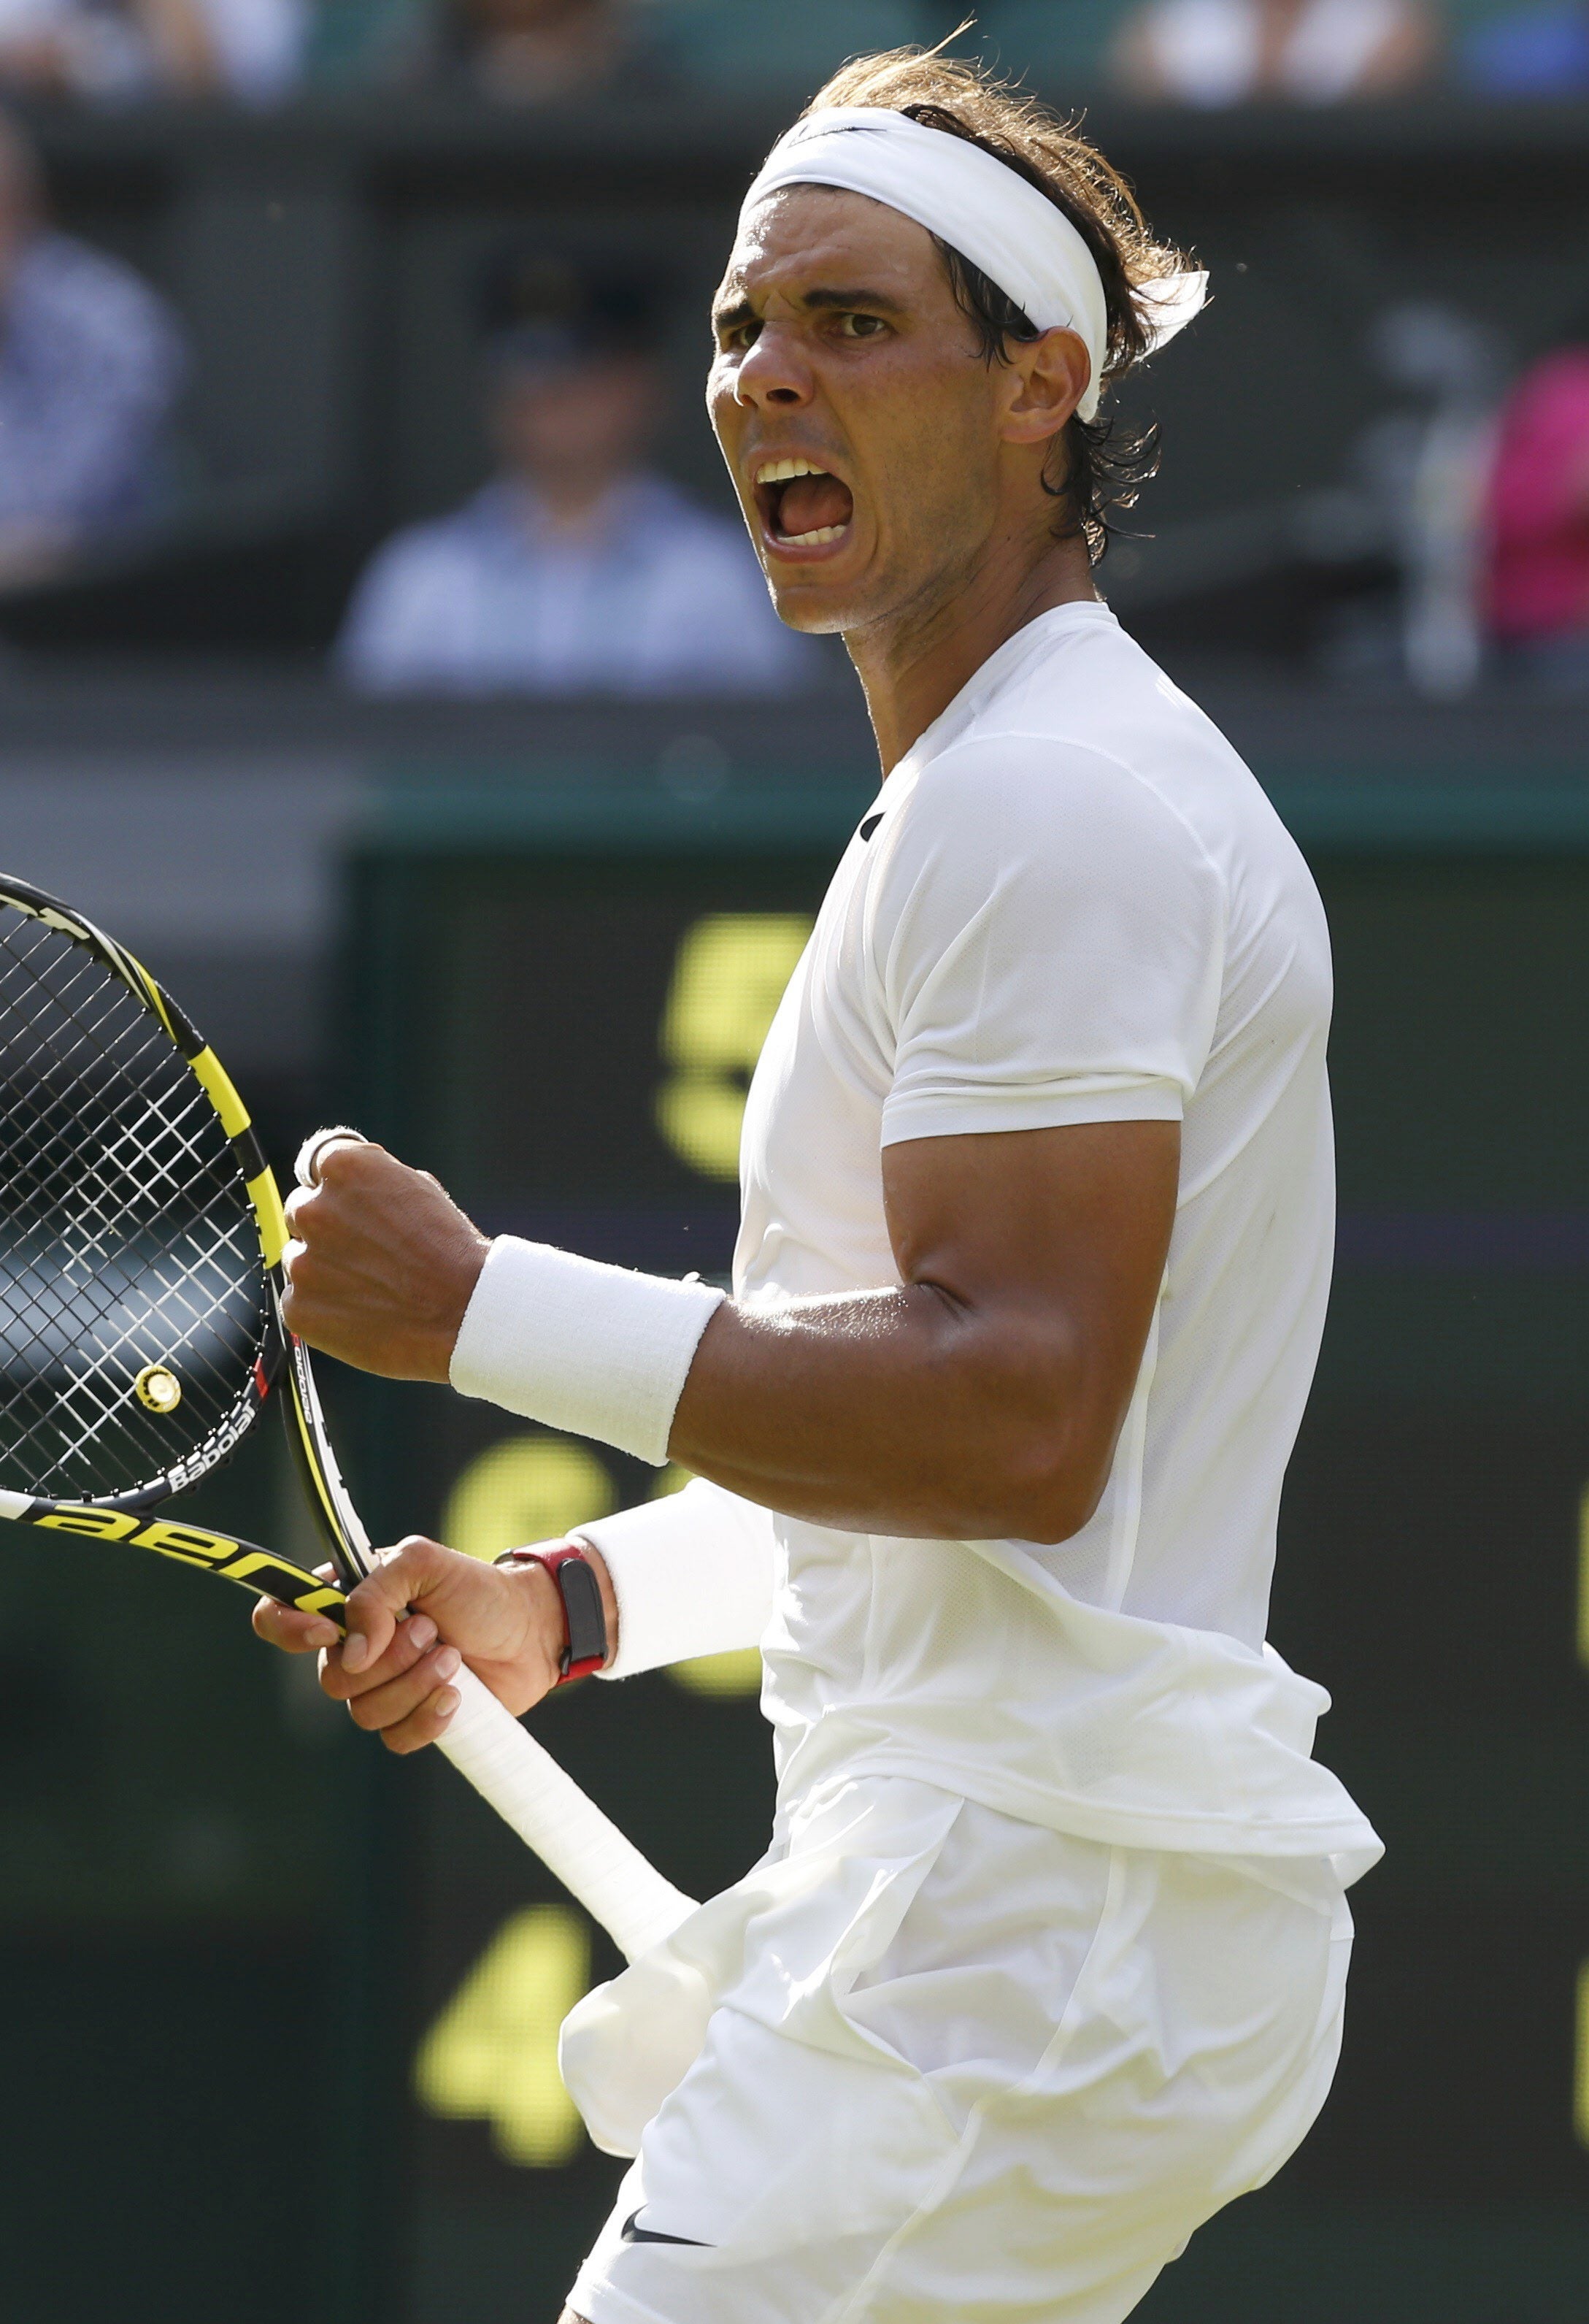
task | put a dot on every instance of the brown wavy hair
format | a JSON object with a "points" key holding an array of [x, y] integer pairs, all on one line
{"points": [[1097, 465]]}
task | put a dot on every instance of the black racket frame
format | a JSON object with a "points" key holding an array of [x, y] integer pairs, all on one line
{"points": [[281, 1369]]}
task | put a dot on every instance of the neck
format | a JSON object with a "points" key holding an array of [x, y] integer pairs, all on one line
{"points": [[914, 663]]}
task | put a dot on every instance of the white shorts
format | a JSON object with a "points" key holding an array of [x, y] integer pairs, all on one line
{"points": [[974, 2071]]}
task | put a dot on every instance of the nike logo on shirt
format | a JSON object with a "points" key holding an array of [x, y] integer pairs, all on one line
{"points": [[635, 2233]]}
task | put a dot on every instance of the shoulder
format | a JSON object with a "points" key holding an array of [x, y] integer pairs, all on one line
{"points": [[1036, 855], [1083, 727], [1557, 388], [1057, 806]]}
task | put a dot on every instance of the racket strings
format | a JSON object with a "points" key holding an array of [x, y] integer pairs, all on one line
{"points": [[127, 1240]]}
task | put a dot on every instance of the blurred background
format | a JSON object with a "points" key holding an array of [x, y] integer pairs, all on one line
{"points": [[380, 655]]}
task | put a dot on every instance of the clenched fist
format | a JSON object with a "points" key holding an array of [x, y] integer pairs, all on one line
{"points": [[382, 1264]]}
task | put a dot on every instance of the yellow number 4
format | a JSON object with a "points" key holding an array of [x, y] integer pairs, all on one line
{"points": [[728, 980], [492, 2053]]}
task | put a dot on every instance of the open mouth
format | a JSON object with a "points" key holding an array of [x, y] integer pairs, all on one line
{"points": [[802, 506]]}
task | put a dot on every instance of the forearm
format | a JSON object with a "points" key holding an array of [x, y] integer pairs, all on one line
{"points": [[901, 1411], [908, 1410]]}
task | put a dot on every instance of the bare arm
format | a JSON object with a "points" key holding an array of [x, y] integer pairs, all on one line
{"points": [[984, 1395], [981, 1397]]}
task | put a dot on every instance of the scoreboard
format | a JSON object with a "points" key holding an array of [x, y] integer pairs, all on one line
{"points": [[557, 988]]}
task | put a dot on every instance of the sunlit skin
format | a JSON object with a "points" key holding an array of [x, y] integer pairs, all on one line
{"points": [[840, 341], [979, 1395]]}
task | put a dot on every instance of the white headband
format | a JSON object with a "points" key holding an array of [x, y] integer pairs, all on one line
{"points": [[990, 213]]}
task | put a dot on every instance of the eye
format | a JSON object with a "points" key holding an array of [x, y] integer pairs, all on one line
{"points": [[861, 327], [733, 339]]}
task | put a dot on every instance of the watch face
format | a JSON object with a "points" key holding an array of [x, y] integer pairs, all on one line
{"points": [[581, 1603]]}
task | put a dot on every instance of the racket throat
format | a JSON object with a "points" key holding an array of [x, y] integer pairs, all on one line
{"points": [[304, 1420]]}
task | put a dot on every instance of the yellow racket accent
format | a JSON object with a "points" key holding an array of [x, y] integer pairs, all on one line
{"points": [[216, 1553], [210, 1071], [263, 1194]]}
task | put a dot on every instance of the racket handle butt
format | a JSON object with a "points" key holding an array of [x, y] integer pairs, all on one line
{"points": [[310, 1154]]}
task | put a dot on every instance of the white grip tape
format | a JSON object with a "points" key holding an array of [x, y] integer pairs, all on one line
{"points": [[605, 1872]]}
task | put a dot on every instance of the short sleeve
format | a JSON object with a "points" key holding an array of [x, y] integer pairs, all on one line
{"points": [[1047, 940]]}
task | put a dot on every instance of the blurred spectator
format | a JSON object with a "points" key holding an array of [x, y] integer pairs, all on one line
{"points": [[740, 44], [1214, 52], [1539, 515], [576, 569], [1413, 503], [90, 363], [1528, 52], [528, 52], [110, 51]]}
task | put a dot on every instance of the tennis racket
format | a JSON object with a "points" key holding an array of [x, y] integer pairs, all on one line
{"points": [[141, 1338]]}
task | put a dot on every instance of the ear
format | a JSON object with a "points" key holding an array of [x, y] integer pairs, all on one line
{"points": [[1046, 379]]}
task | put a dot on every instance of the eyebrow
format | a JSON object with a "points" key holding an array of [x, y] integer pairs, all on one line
{"points": [[819, 299]]}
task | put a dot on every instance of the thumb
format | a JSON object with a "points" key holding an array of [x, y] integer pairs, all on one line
{"points": [[387, 1592]]}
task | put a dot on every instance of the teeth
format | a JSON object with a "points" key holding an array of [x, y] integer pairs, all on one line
{"points": [[783, 472], [810, 539]]}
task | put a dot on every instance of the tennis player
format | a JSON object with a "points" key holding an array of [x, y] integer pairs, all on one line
{"points": [[1046, 1961]]}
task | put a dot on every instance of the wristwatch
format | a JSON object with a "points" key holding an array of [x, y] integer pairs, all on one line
{"points": [[584, 1645]]}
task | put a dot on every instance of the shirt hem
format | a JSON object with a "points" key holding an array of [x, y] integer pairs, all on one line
{"points": [[1185, 1831], [964, 1117], [601, 2302]]}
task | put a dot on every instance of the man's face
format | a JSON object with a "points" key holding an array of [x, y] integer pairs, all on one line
{"points": [[590, 421], [840, 349]]}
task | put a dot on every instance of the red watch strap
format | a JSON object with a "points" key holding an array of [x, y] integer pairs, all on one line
{"points": [[584, 1622]]}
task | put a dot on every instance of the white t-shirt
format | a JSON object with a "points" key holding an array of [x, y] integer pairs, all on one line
{"points": [[1070, 903]]}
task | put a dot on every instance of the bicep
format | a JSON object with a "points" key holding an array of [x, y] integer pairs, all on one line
{"points": [[1058, 1233]]}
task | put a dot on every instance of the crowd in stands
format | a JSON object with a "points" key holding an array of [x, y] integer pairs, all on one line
{"points": [[91, 364], [1195, 52], [1536, 587], [577, 567], [122, 51]]}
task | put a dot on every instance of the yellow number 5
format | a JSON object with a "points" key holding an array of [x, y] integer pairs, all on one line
{"points": [[728, 980]]}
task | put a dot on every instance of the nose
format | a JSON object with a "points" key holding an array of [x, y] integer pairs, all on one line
{"points": [[774, 373]]}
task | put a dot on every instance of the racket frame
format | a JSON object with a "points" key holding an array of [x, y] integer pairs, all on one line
{"points": [[577, 1842], [281, 1363]]}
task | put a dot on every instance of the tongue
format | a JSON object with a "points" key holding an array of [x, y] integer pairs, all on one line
{"points": [[812, 502]]}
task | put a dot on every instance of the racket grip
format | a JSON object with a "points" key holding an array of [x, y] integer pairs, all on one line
{"points": [[580, 1846]]}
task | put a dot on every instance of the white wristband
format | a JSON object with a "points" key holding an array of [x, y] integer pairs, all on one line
{"points": [[594, 1350], [693, 1575]]}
